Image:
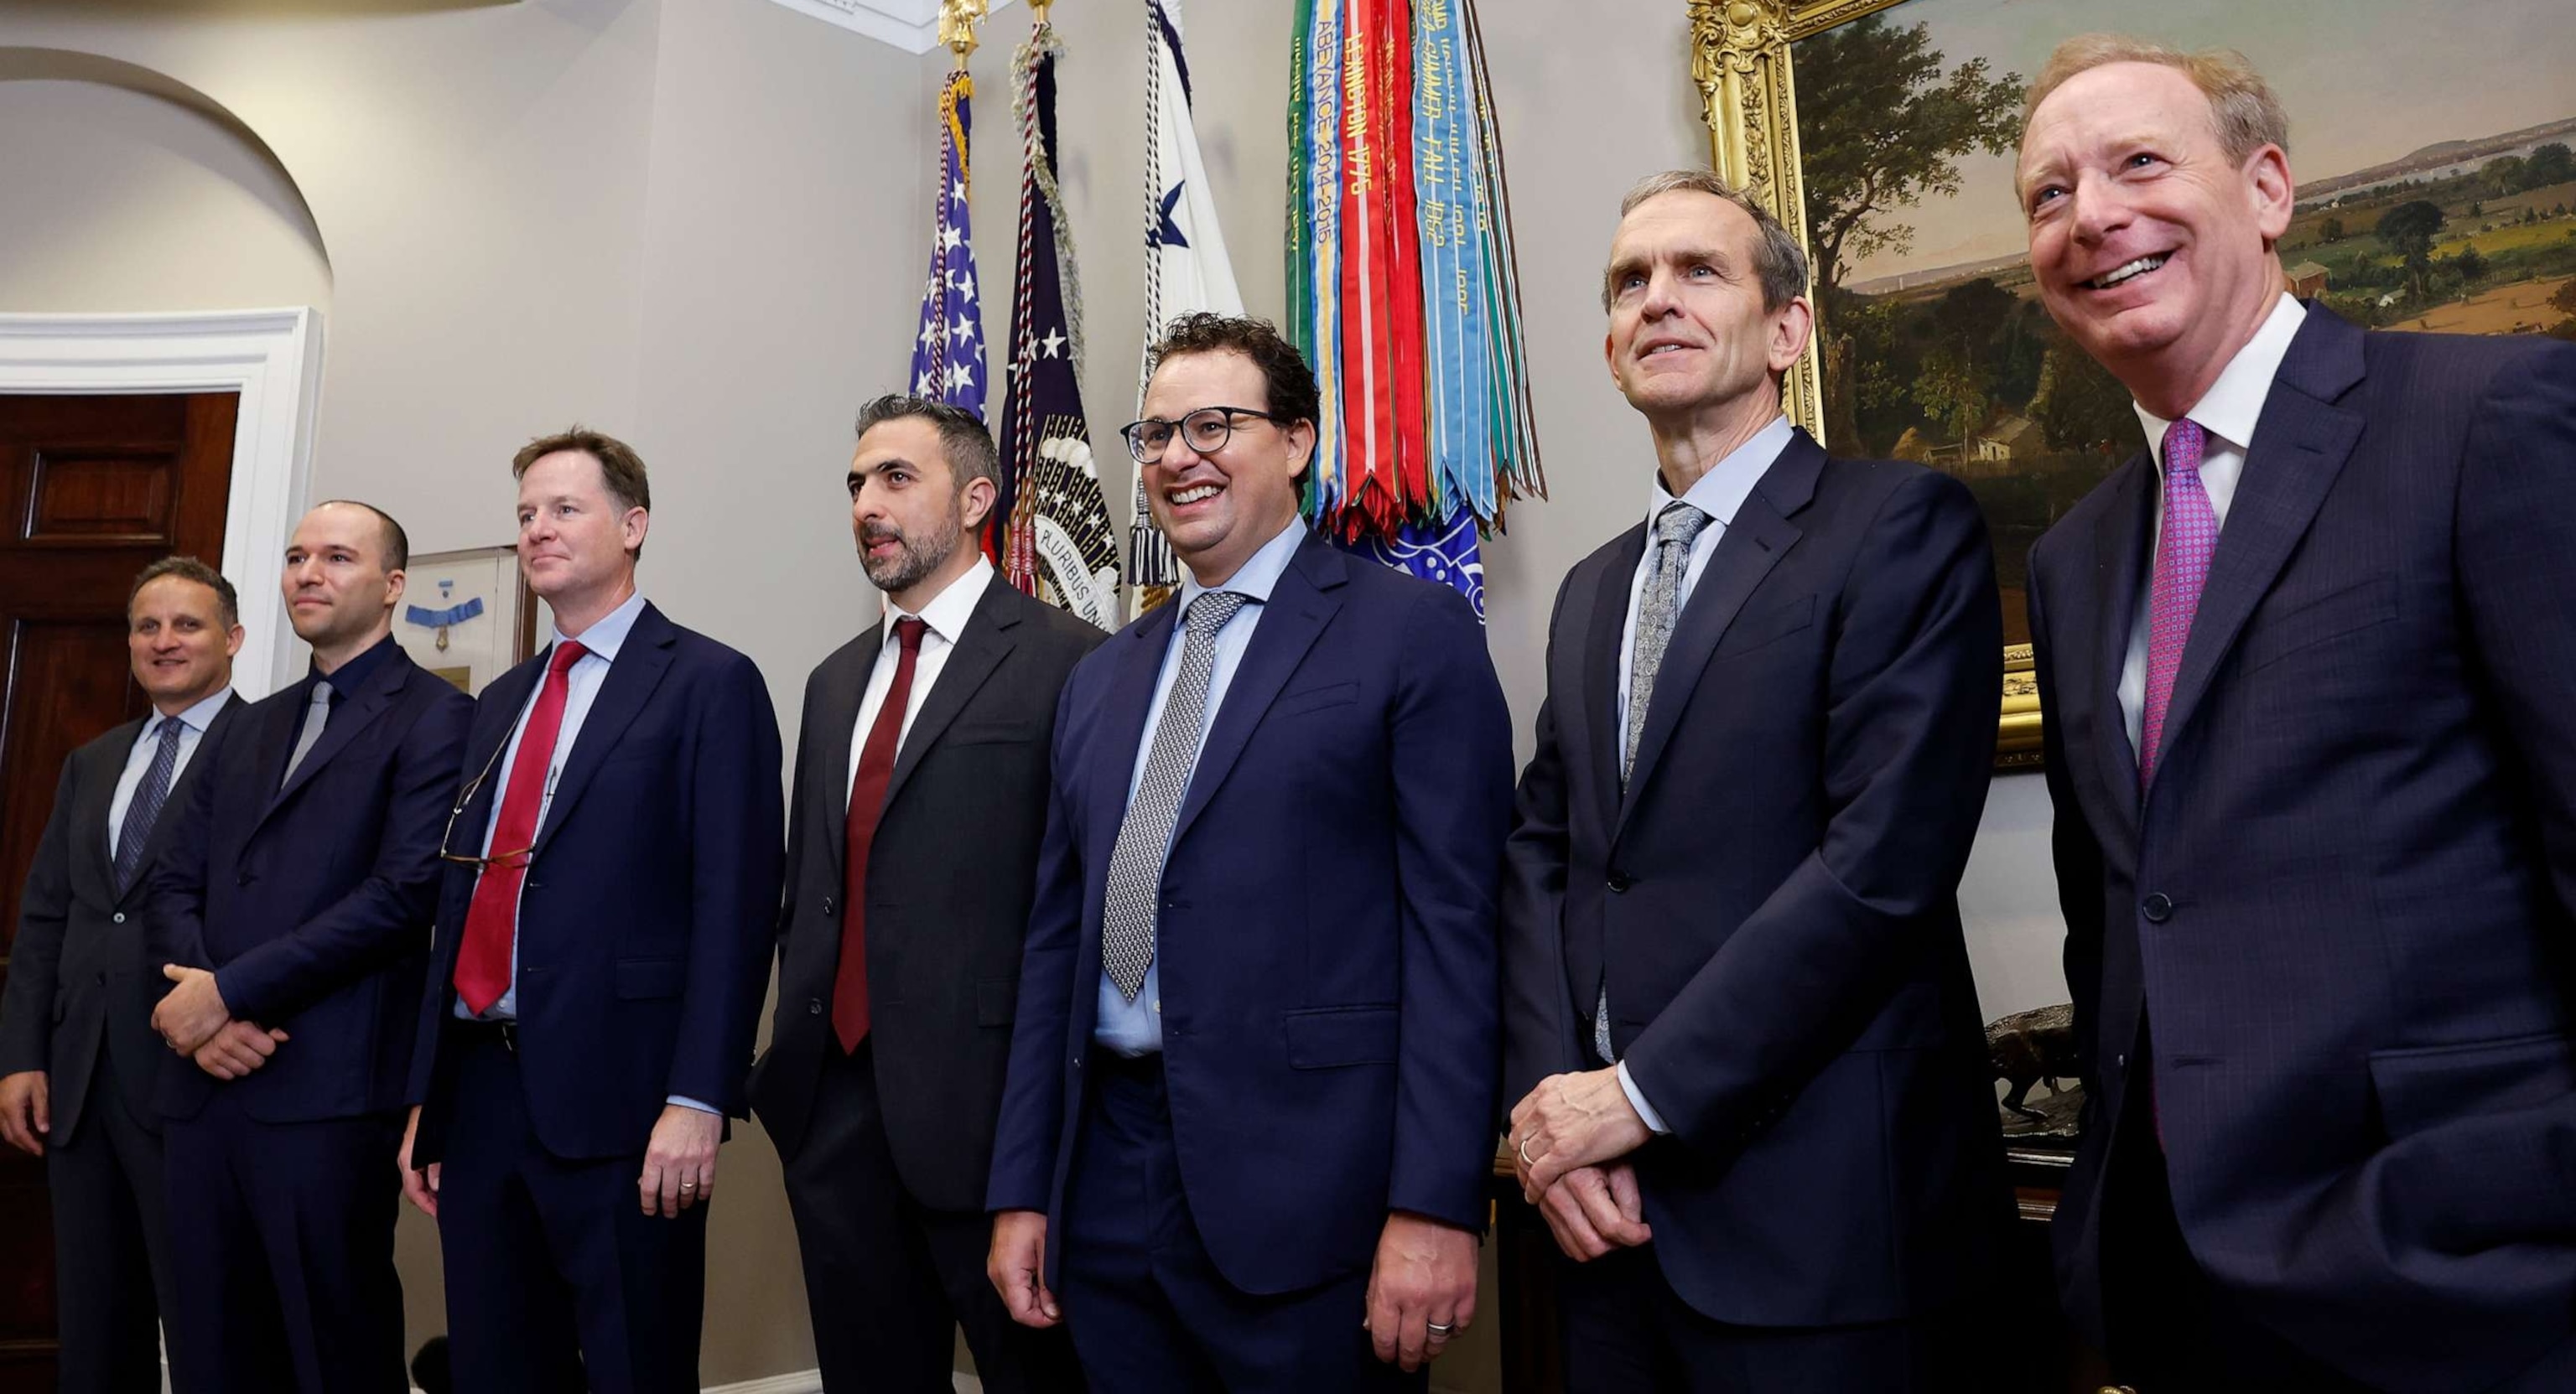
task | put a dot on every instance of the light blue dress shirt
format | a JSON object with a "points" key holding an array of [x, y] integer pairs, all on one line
{"points": [[582, 682], [138, 761], [1718, 494], [1136, 1028]]}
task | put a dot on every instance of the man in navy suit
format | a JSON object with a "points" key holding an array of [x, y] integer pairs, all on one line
{"points": [[1740, 1021], [1251, 1093], [2307, 664], [291, 908], [76, 1042], [602, 951]]}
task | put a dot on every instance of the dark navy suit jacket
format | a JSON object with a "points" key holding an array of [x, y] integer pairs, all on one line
{"points": [[2346, 905], [310, 900], [650, 901], [1772, 900], [1326, 933], [81, 979]]}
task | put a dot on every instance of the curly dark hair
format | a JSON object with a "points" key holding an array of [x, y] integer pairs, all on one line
{"points": [[1287, 380]]}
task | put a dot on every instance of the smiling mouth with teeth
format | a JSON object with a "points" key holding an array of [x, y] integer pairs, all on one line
{"points": [[1184, 497], [2128, 273]]}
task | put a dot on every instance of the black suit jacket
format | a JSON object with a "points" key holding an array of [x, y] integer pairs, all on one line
{"points": [[2346, 904], [1772, 900], [80, 977], [950, 878], [310, 900]]}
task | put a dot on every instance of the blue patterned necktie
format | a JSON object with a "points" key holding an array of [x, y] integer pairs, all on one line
{"points": [[145, 808], [1145, 837]]}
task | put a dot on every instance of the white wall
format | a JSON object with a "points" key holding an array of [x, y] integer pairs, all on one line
{"points": [[702, 224]]}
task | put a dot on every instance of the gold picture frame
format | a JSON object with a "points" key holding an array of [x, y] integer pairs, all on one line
{"points": [[1749, 98]]}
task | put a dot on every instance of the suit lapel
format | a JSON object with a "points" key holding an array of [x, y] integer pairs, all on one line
{"points": [[2120, 545], [986, 641], [94, 800], [208, 744], [830, 793], [1746, 551], [357, 712], [1122, 738], [632, 677], [2300, 444], [1600, 685], [1300, 605]]}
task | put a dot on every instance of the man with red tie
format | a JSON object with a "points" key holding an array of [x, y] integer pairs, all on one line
{"points": [[913, 834], [613, 865]]}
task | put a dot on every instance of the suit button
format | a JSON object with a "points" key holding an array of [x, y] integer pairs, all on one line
{"points": [[814, 1008], [1619, 883], [245, 878], [1077, 1062], [827, 905], [2158, 908], [102, 980], [2120, 1061], [119, 917]]}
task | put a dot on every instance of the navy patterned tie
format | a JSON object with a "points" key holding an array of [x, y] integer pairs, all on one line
{"points": [[1145, 837], [145, 808]]}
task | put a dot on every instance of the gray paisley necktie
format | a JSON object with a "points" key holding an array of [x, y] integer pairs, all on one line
{"points": [[1145, 837]]}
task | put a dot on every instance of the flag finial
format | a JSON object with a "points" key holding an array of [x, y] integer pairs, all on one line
{"points": [[957, 21]]}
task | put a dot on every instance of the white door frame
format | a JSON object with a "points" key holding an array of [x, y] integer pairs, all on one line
{"points": [[273, 359]]}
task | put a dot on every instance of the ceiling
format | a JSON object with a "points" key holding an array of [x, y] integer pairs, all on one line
{"points": [[910, 25]]}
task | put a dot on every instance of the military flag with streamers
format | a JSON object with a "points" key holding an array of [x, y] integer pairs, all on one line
{"points": [[1401, 285], [1186, 270], [948, 353], [1060, 546]]}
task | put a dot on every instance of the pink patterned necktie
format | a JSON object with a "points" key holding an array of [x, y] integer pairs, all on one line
{"points": [[2183, 550]]}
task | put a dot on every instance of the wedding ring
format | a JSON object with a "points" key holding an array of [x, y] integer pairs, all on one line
{"points": [[1526, 1159], [1438, 1328]]}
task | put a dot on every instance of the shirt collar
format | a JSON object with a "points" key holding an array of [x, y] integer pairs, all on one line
{"points": [[2231, 406], [196, 718], [606, 636], [1255, 578], [948, 611], [1722, 490], [346, 679]]}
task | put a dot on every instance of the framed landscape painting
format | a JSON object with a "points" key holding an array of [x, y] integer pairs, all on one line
{"points": [[2436, 191]]}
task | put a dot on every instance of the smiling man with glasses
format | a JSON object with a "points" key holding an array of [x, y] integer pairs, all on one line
{"points": [[1256, 1024]]}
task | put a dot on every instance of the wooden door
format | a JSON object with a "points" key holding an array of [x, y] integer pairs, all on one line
{"points": [[96, 488]]}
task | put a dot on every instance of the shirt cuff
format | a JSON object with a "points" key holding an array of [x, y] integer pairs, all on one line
{"points": [[1654, 1121], [686, 1102]]}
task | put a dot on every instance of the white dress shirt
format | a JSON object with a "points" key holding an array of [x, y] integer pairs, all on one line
{"points": [[1136, 1028], [944, 620], [2227, 412], [147, 743], [1718, 494]]}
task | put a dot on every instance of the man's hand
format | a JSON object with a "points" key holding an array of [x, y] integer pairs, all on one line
{"points": [[193, 1011], [1016, 1266], [26, 1111], [420, 1188], [237, 1048], [680, 1162], [1595, 1210], [1570, 1121], [1424, 1278]]}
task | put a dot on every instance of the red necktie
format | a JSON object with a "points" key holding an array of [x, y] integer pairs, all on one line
{"points": [[492, 922], [867, 805]]}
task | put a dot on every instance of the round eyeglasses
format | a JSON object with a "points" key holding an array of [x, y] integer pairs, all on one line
{"points": [[1205, 431]]}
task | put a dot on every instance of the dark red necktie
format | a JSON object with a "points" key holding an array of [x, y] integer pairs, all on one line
{"points": [[867, 805], [492, 921]]}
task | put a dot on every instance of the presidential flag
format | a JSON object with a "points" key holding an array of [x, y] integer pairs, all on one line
{"points": [[1186, 270], [1059, 546], [948, 353]]}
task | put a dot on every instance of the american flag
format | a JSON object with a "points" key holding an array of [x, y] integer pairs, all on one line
{"points": [[948, 354]]}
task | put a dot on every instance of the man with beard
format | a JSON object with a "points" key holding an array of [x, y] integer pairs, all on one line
{"points": [[2307, 659], [600, 958], [913, 833], [291, 908], [76, 1042]]}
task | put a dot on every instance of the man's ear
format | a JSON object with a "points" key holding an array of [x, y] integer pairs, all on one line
{"points": [[1301, 446], [1789, 334], [976, 501]]}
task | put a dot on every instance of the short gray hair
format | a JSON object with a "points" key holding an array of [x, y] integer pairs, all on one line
{"points": [[964, 442], [2242, 109], [1778, 261], [190, 569]]}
